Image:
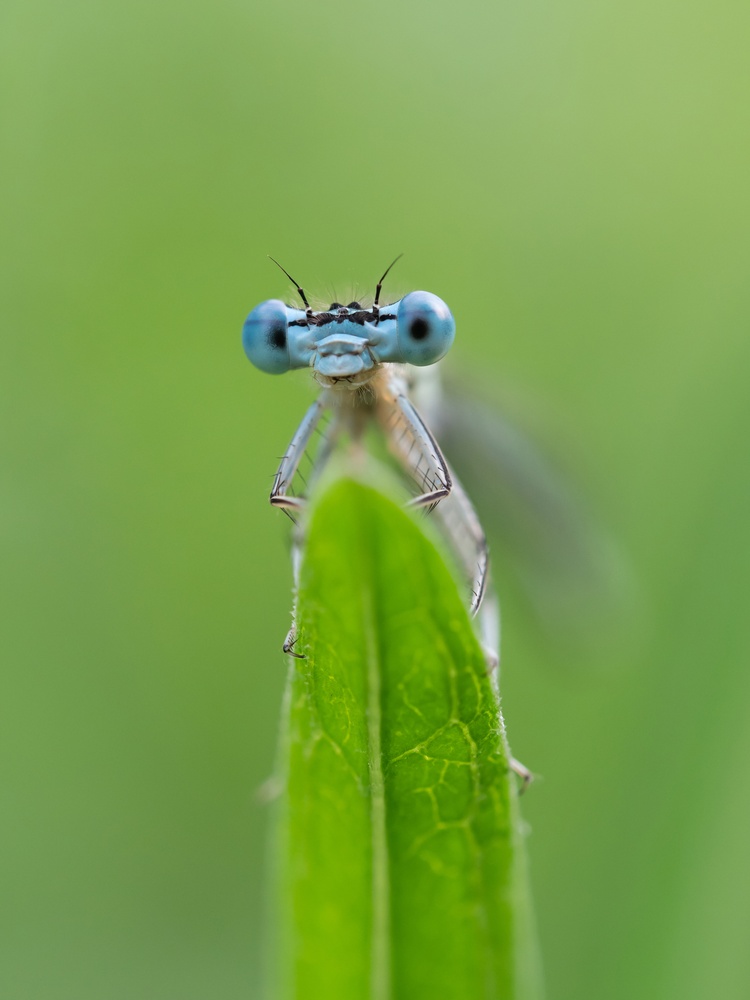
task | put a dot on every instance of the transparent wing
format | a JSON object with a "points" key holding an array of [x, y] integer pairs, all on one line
{"points": [[435, 486], [547, 541], [412, 443], [303, 459]]}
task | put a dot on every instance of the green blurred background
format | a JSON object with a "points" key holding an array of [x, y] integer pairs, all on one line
{"points": [[573, 179]]}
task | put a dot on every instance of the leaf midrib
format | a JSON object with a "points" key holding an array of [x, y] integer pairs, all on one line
{"points": [[380, 969]]}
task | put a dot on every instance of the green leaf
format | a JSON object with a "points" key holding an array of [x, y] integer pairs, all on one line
{"points": [[401, 872]]}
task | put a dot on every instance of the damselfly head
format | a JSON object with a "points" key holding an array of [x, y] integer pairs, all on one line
{"points": [[346, 343]]}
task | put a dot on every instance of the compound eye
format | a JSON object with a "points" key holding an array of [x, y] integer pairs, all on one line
{"points": [[426, 328], [265, 337]]}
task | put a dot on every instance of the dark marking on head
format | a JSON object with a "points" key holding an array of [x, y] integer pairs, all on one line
{"points": [[334, 315], [334, 305], [360, 318], [276, 337], [354, 305], [419, 328]]}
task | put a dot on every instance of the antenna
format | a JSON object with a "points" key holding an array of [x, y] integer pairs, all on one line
{"points": [[299, 290], [378, 287]]}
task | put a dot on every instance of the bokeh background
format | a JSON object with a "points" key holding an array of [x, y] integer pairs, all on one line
{"points": [[572, 178]]}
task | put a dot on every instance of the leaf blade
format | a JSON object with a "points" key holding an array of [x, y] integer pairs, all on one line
{"points": [[401, 846]]}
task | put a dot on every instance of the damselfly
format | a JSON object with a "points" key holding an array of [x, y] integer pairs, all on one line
{"points": [[366, 360]]}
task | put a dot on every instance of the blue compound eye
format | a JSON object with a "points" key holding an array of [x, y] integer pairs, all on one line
{"points": [[265, 337], [426, 328]]}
